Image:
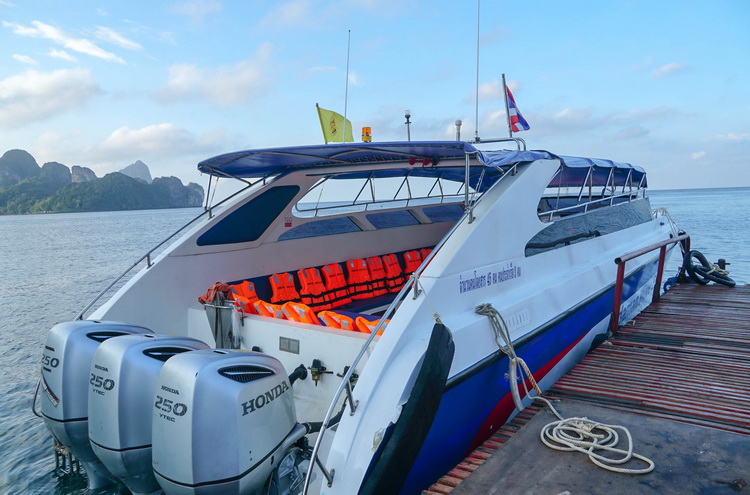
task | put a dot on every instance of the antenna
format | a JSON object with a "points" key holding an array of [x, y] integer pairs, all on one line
{"points": [[476, 111], [346, 91]]}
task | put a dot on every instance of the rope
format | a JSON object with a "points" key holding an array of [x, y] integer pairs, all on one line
{"points": [[505, 343], [435, 314], [588, 436], [572, 434], [716, 269]]}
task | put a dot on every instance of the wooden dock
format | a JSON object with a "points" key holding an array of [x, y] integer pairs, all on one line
{"points": [[678, 377]]}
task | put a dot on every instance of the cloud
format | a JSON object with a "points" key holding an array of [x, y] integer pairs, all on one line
{"points": [[161, 146], [698, 155], [669, 70], [62, 54], [112, 36], [34, 95], [159, 139], [355, 79], [493, 91], [734, 137], [24, 59], [197, 10], [46, 31], [293, 12], [225, 85], [631, 132]]}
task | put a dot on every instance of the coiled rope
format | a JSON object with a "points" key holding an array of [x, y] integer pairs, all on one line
{"points": [[572, 434]]}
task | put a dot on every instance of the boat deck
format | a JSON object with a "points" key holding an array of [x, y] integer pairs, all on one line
{"points": [[678, 377]]}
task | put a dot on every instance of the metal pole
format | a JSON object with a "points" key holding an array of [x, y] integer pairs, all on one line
{"points": [[346, 91], [659, 273], [476, 109], [507, 107], [615, 319]]}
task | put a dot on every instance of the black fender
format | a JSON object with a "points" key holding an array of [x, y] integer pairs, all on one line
{"points": [[404, 441]]}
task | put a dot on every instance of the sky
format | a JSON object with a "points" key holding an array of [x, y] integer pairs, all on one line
{"points": [[664, 85]]}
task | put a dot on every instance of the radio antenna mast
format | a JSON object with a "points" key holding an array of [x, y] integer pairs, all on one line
{"points": [[346, 91], [476, 96]]}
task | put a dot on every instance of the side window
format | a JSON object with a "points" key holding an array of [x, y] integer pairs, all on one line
{"points": [[249, 221], [444, 213], [319, 228], [387, 220]]}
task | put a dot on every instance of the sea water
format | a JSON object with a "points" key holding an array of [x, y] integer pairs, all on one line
{"points": [[51, 266]]}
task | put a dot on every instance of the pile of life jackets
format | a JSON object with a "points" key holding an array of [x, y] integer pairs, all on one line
{"points": [[325, 289]]}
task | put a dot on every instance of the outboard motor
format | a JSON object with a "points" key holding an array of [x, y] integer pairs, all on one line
{"points": [[66, 373], [121, 400], [224, 421]]}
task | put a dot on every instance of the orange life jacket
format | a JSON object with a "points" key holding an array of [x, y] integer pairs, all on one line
{"points": [[424, 253], [283, 288], [412, 260], [358, 278], [338, 295], [336, 320], [302, 313], [313, 291], [244, 294], [366, 326], [394, 275], [377, 276], [264, 308]]}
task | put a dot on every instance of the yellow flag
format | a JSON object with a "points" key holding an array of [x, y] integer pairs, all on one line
{"points": [[332, 124]]}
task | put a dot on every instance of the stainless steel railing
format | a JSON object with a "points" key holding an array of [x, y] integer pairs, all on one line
{"points": [[147, 256]]}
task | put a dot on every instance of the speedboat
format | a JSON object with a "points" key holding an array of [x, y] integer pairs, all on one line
{"points": [[368, 305]]}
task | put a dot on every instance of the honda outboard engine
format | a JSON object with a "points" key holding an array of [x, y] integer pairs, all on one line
{"points": [[223, 422], [66, 373], [124, 371]]}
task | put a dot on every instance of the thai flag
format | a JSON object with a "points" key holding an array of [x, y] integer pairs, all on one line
{"points": [[517, 122]]}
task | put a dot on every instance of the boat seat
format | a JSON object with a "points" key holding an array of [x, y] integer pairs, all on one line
{"points": [[338, 293], [313, 291], [336, 287], [284, 288]]}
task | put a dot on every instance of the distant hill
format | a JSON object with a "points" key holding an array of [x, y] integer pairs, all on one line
{"points": [[27, 188], [138, 170]]}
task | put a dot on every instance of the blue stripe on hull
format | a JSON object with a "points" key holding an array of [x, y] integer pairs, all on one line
{"points": [[466, 406]]}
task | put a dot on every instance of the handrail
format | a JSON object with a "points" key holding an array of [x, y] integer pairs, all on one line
{"points": [[147, 256], [520, 143], [550, 214], [620, 261]]}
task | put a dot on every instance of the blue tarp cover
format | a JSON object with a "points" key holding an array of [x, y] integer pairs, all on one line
{"points": [[262, 162]]}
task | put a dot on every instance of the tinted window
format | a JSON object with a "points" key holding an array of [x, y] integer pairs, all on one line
{"points": [[249, 221], [318, 228], [389, 219], [444, 213]]}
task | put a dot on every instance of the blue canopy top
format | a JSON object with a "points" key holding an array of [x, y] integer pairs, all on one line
{"points": [[262, 162]]}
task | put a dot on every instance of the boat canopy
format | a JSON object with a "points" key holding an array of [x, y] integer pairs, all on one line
{"points": [[423, 157]]}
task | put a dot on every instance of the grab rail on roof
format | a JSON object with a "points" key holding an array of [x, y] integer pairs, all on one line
{"points": [[550, 215], [520, 143]]}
